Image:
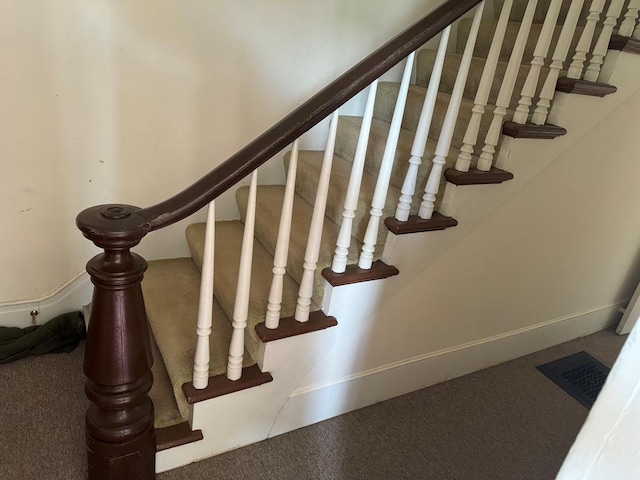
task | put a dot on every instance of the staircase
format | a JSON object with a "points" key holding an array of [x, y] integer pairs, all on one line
{"points": [[247, 252]]}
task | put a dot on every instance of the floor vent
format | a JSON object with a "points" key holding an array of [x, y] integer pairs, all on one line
{"points": [[580, 375]]}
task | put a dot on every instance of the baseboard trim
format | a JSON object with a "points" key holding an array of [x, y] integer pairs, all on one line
{"points": [[315, 403], [70, 296]]}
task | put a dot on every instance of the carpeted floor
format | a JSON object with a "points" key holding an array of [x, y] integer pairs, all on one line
{"points": [[507, 422]]}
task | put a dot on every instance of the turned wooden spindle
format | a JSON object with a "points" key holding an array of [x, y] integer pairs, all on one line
{"points": [[119, 422]]}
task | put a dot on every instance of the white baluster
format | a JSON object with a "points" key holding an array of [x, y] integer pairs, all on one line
{"points": [[506, 89], [274, 305], [636, 33], [205, 305], [600, 50], [584, 45], [422, 132], [521, 114], [446, 134], [343, 243], [541, 112], [241, 305], [628, 25], [463, 161], [384, 175], [303, 307]]}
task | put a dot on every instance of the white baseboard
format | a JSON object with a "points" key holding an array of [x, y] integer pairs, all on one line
{"points": [[321, 402], [68, 298]]}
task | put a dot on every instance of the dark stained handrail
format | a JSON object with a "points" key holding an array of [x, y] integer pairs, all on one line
{"points": [[304, 117], [120, 436]]}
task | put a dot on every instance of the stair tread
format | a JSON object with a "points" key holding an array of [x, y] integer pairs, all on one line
{"points": [[269, 206], [171, 290], [347, 140], [385, 104], [227, 260], [519, 6], [310, 162], [488, 27], [426, 60]]}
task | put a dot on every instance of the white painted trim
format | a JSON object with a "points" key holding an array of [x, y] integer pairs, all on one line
{"points": [[631, 314], [456, 349], [607, 446], [46, 296], [323, 401], [70, 296]]}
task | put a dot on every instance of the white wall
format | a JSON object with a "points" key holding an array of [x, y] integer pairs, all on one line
{"points": [[130, 101]]}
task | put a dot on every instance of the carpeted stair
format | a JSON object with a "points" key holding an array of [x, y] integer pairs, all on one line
{"points": [[171, 287], [171, 290]]}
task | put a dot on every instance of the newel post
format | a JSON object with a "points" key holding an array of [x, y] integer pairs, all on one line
{"points": [[118, 359]]}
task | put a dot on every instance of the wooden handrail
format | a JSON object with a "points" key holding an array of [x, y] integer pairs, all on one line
{"points": [[304, 117], [120, 430]]}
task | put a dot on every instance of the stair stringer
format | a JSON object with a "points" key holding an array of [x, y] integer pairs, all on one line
{"points": [[380, 377], [471, 205], [253, 415], [525, 158]]}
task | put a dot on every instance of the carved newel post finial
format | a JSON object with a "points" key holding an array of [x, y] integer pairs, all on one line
{"points": [[119, 422]]}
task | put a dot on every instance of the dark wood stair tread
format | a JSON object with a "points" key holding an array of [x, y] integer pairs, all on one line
{"points": [[415, 224], [220, 385], [583, 87], [625, 44], [477, 177], [530, 130], [354, 274], [176, 435], [290, 327]]}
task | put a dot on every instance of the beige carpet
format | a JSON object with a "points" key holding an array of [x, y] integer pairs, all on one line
{"points": [[507, 422], [171, 289], [166, 409], [227, 260]]}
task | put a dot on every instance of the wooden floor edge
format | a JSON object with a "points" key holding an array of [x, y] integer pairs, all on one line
{"points": [[176, 435]]}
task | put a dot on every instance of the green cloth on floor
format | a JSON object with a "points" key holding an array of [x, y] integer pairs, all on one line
{"points": [[62, 334]]}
